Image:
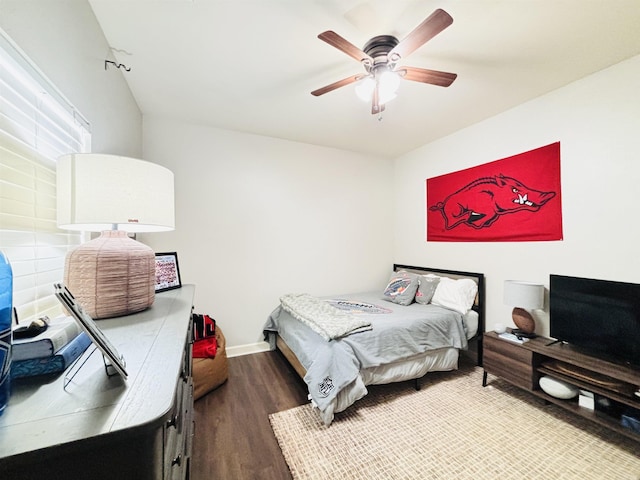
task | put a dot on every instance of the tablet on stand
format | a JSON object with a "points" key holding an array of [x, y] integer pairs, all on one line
{"points": [[113, 360]]}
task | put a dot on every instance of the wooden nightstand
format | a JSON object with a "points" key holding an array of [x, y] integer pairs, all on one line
{"points": [[514, 362]]}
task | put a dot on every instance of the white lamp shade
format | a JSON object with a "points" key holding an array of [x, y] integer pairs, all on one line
{"points": [[388, 84], [364, 88], [97, 191], [523, 294], [387, 81]]}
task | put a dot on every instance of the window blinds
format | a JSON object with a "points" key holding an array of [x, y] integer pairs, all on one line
{"points": [[37, 125]]}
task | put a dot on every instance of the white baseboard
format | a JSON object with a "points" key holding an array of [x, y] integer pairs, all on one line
{"points": [[247, 349]]}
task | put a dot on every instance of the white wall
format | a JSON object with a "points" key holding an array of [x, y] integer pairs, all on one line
{"points": [[257, 217], [597, 121], [64, 39]]}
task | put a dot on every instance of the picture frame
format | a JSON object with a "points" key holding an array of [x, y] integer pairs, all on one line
{"points": [[167, 271]]}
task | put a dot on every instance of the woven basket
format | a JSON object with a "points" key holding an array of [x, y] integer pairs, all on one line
{"points": [[210, 373], [112, 275]]}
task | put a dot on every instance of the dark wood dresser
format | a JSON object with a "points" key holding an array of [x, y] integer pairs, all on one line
{"points": [[101, 427]]}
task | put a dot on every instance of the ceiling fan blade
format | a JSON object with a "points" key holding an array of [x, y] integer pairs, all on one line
{"points": [[433, 25], [338, 84], [434, 77], [335, 40]]}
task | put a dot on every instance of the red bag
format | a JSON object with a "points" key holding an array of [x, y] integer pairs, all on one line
{"points": [[205, 344]]}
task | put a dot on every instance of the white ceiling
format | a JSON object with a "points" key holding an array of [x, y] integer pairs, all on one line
{"points": [[250, 65]]}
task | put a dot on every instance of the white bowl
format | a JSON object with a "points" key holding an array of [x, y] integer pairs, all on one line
{"points": [[558, 388]]}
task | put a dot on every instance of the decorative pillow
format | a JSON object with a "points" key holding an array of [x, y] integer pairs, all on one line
{"points": [[457, 295], [426, 288], [401, 288]]}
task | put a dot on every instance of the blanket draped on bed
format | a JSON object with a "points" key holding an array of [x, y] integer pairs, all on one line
{"points": [[326, 320]]}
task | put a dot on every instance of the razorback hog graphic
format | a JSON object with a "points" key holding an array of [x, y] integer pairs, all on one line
{"points": [[482, 201]]}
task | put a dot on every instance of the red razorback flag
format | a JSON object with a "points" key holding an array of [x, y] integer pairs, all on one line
{"points": [[514, 199]]}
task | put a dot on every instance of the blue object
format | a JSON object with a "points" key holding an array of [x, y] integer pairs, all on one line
{"points": [[53, 363], [6, 304], [631, 420]]}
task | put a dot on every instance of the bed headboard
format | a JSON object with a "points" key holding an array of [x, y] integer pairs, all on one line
{"points": [[479, 304]]}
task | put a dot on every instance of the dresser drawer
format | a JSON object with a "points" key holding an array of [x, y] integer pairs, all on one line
{"points": [[511, 361], [179, 427], [514, 351], [172, 447]]}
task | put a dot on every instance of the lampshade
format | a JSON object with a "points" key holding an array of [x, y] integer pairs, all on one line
{"points": [[113, 274], [521, 295], [96, 191]]}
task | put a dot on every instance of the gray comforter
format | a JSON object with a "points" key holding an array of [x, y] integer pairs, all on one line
{"points": [[398, 333]]}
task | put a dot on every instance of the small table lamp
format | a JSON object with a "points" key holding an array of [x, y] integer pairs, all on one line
{"points": [[521, 295], [113, 274]]}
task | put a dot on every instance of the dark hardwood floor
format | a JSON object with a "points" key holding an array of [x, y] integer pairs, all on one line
{"points": [[233, 438]]}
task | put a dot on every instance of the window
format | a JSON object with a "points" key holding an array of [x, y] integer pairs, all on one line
{"points": [[37, 125]]}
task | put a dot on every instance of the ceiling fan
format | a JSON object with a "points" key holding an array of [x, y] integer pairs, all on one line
{"points": [[380, 56]]}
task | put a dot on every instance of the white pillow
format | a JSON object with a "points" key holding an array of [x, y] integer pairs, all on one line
{"points": [[457, 295]]}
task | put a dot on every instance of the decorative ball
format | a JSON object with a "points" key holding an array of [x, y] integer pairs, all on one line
{"points": [[523, 320], [558, 388]]}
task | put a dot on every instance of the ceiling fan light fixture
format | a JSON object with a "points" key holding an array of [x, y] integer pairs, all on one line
{"points": [[386, 97], [388, 84], [364, 88], [379, 58]]}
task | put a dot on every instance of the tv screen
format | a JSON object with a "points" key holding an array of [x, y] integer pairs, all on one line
{"points": [[600, 317]]}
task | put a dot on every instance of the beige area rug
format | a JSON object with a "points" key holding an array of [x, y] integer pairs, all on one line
{"points": [[452, 428]]}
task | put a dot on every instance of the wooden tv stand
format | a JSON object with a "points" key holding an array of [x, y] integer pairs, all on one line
{"points": [[524, 364]]}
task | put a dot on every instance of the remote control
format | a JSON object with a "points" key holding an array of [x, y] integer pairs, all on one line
{"points": [[512, 338]]}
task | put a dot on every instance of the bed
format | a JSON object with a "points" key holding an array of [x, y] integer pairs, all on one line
{"points": [[418, 323]]}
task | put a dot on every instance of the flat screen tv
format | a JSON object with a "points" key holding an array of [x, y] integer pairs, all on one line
{"points": [[600, 317]]}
